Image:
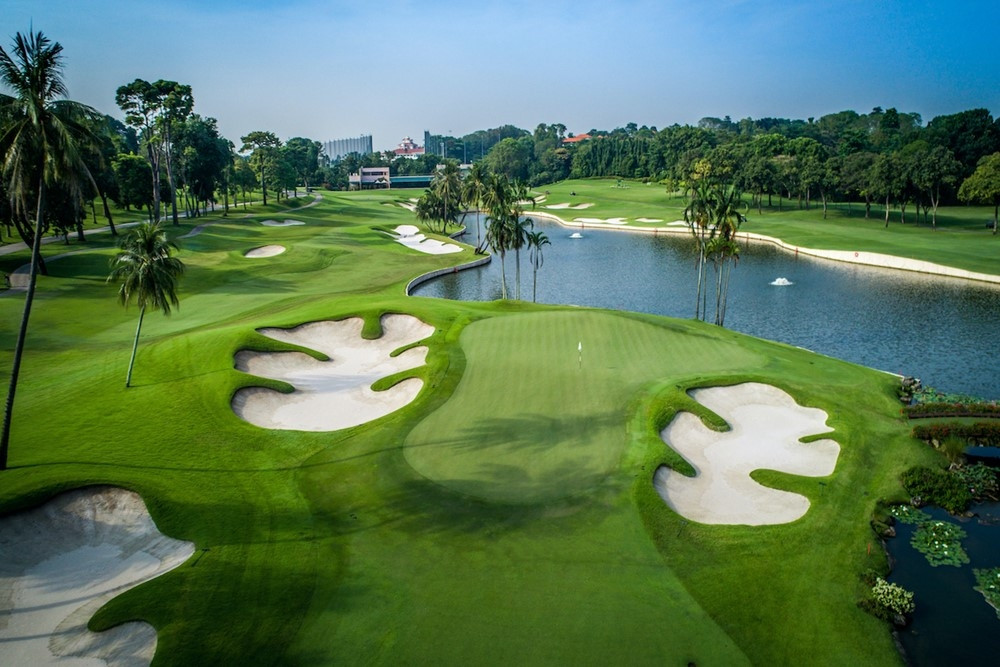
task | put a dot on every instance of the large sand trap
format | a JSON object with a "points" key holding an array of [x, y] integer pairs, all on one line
{"points": [[265, 251], [281, 223], [649, 220], [409, 236], [61, 562], [334, 394], [766, 426]]}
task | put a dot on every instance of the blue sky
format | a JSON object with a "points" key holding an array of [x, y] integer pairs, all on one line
{"points": [[327, 69]]}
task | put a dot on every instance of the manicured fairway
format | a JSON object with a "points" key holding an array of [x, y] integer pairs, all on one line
{"points": [[506, 516]]}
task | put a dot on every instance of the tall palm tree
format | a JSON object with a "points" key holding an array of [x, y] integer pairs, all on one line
{"points": [[520, 196], [498, 222], [473, 192], [40, 145], [447, 183], [147, 272], [536, 239]]}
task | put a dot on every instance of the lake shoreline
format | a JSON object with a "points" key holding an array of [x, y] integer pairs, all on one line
{"points": [[864, 258]]}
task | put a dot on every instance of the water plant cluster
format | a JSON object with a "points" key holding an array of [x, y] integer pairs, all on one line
{"points": [[988, 580], [940, 542]]}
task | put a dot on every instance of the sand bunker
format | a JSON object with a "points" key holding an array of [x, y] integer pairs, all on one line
{"points": [[334, 394], [409, 236], [61, 562], [281, 223], [265, 251], [766, 426], [407, 205], [575, 207], [610, 221], [649, 220]]}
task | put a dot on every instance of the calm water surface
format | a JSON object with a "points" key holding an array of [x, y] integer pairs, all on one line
{"points": [[938, 329]]}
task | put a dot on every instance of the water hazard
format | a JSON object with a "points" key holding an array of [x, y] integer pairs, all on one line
{"points": [[939, 329]]}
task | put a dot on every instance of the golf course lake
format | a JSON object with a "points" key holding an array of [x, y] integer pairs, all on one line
{"points": [[936, 328]]}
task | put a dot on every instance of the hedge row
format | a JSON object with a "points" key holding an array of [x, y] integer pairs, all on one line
{"points": [[983, 434], [925, 410]]}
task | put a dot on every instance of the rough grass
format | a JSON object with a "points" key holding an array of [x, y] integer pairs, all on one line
{"points": [[506, 516]]}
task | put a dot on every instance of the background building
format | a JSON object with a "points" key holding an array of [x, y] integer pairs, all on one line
{"points": [[338, 148]]}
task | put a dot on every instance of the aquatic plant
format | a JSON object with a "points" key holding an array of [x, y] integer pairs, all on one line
{"points": [[908, 514], [989, 586], [940, 542]]}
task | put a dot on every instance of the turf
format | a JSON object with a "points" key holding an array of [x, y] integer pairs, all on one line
{"points": [[507, 515]]}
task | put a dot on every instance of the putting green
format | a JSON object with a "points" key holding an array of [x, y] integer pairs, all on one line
{"points": [[538, 442]]}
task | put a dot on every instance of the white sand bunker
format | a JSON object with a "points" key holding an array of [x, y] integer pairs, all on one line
{"points": [[281, 223], [575, 207], [612, 221], [767, 425], [61, 562], [409, 206], [409, 236], [265, 251], [649, 220], [334, 394]]}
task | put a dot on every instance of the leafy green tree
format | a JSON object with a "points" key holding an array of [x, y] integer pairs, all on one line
{"points": [[886, 180], [264, 153], [156, 109], [984, 185], [303, 156], [134, 183], [147, 273], [40, 144]]}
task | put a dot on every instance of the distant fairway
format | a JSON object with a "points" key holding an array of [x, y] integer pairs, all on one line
{"points": [[529, 422]]}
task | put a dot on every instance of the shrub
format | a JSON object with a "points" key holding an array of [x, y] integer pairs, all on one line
{"points": [[980, 480], [893, 597], [937, 487], [985, 434], [977, 409]]}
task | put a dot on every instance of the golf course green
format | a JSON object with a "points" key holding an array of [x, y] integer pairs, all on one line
{"points": [[506, 516]]}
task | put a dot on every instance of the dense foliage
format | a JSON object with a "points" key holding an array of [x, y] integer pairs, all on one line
{"points": [[937, 487], [984, 434]]}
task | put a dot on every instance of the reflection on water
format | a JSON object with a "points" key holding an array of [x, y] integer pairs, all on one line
{"points": [[938, 329]]}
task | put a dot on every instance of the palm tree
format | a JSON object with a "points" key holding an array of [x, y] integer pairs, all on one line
{"points": [[498, 222], [473, 192], [519, 227], [147, 272], [40, 145], [447, 183], [535, 242]]}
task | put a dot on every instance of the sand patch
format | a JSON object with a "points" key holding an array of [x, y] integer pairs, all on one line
{"points": [[265, 251], [649, 220], [602, 221], [766, 427], [677, 223], [574, 207], [410, 236], [334, 394], [64, 560], [408, 206], [281, 223]]}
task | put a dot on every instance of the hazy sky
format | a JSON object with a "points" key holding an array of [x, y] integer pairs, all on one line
{"points": [[327, 69]]}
